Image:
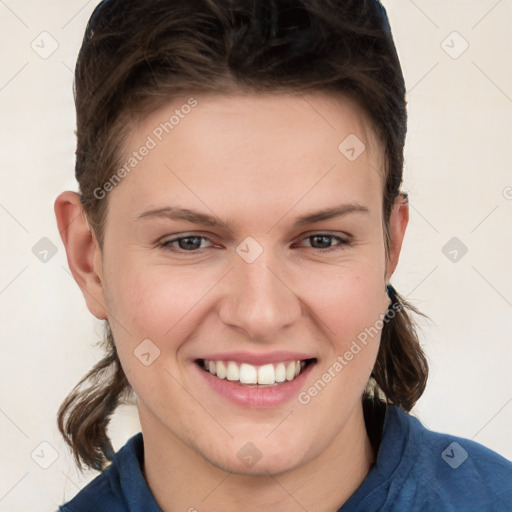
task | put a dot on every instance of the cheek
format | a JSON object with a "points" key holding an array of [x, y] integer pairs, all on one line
{"points": [[348, 298], [350, 307], [152, 299], [156, 303], [364, 307]]}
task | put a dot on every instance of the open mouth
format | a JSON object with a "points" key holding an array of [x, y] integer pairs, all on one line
{"points": [[245, 374]]}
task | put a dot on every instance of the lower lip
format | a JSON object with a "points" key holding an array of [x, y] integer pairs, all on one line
{"points": [[256, 397]]}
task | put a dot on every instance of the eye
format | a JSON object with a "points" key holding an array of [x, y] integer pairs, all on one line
{"points": [[191, 243], [323, 241]]}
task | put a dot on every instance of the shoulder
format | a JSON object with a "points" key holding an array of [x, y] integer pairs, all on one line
{"points": [[109, 490], [454, 473], [97, 495]]}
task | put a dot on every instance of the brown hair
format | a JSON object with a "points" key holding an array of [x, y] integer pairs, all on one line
{"points": [[138, 54]]}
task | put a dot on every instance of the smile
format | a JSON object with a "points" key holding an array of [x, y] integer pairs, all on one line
{"points": [[255, 376]]}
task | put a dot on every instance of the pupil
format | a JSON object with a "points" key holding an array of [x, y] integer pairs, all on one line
{"points": [[183, 243], [326, 239]]}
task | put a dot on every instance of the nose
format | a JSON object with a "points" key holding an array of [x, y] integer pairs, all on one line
{"points": [[258, 299]]}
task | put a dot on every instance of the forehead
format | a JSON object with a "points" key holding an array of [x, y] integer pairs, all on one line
{"points": [[256, 149], [309, 116]]}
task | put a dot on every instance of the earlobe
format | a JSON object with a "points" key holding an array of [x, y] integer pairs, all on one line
{"points": [[398, 221], [82, 250]]}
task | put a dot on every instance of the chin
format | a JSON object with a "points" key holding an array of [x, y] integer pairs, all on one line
{"points": [[272, 464], [255, 456]]}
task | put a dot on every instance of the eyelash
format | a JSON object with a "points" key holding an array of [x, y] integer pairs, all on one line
{"points": [[342, 243]]}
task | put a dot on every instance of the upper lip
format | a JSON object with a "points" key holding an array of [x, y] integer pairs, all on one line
{"points": [[257, 359]]}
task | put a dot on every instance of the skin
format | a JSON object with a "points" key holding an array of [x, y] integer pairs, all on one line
{"points": [[258, 162]]}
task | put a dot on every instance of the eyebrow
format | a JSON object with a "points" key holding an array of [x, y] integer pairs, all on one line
{"points": [[195, 217]]}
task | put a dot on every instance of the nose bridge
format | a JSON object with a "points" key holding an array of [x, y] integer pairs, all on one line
{"points": [[259, 300]]}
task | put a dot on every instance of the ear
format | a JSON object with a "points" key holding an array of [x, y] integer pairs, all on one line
{"points": [[82, 250], [398, 221]]}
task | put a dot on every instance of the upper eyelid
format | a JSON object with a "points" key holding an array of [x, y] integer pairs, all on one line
{"points": [[304, 235], [345, 238]]}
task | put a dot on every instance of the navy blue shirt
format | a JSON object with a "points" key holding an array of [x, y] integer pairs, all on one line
{"points": [[416, 469]]}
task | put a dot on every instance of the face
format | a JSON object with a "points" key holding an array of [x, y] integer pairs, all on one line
{"points": [[218, 253]]}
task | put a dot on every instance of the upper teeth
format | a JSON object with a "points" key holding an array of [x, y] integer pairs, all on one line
{"points": [[248, 374]]}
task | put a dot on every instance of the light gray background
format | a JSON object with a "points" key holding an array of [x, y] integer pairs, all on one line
{"points": [[457, 172]]}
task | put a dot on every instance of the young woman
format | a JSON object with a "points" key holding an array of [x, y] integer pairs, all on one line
{"points": [[238, 223]]}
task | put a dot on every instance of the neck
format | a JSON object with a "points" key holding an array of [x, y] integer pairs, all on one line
{"points": [[181, 479]]}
